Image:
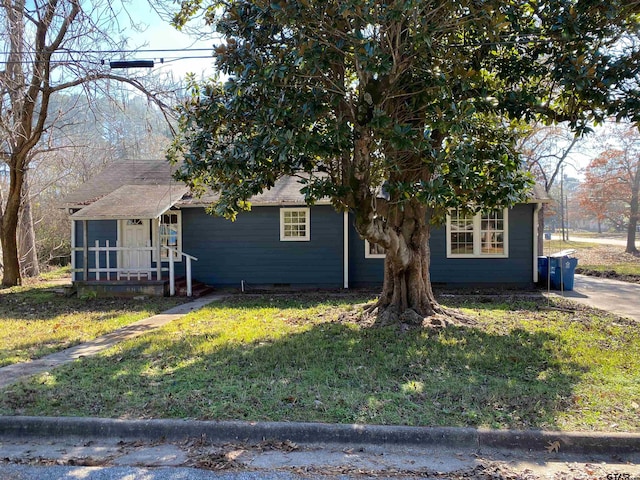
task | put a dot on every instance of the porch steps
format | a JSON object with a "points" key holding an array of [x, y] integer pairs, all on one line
{"points": [[198, 289]]}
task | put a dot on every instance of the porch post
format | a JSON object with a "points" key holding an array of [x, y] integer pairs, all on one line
{"points": [[97, 259], [159, 251], [172, 275], [189, 284], [85, 251], [74, 274]]}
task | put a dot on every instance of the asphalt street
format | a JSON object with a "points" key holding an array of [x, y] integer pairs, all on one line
{"points": [[620, 242]]}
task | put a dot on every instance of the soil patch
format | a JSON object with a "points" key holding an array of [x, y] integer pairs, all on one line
{"points": [[612, 274]]}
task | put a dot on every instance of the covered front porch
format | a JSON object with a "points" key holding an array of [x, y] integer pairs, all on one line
{"points": [[129, 243]]}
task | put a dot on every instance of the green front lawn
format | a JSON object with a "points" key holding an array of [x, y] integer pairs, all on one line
{"points": [[274, 358], [36, 320], [553, 246]]}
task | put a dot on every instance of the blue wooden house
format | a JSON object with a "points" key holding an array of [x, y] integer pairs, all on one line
{"points": [[134, 229]]}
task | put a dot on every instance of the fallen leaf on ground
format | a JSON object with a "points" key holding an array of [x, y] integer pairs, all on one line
{"points": [[553, 446]]}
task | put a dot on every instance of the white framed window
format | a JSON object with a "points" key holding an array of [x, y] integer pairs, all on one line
{"points": [[372, 250], [294, 225], [169, 234], [484, 235]]}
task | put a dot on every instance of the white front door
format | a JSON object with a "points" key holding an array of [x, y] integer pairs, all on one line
{"points": [[134, 234]]}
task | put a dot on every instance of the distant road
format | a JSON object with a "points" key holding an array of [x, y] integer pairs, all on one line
{"points": [[604, 241]]}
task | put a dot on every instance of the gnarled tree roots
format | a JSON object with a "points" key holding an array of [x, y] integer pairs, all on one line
{"points": [[378, 315]]}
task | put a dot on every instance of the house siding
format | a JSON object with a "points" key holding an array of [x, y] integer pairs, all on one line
{"points": [[250, 249], [516, 270]]}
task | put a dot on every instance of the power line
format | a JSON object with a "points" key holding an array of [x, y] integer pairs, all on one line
{"points": [[523, 40], [116, 51], [110, 53], [161, 60]]}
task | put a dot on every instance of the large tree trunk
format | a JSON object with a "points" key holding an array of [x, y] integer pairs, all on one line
{"points": [[407, 296], [27, 250], [8, 231]]}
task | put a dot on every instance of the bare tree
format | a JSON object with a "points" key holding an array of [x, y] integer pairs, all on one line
{"points": [[546, 149], [49, 46], [113, 129]]}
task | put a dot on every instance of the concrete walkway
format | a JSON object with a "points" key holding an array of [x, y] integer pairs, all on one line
{"points": [[12, 373], [621, 298]]}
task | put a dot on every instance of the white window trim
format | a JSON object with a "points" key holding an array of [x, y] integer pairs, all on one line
{"points": [[477, 240], [368, 254], [307, 215], [156, 236]]}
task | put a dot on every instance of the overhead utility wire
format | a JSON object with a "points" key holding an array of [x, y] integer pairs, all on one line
{"points": [[521, 40], [112, 52], [142, 63], [96, 62]]}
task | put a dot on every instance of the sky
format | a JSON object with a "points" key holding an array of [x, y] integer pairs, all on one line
{"points": [[159, 35]]}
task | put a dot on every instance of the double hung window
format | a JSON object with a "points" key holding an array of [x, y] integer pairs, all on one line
{"points": [[294, 225], [481, 235]]}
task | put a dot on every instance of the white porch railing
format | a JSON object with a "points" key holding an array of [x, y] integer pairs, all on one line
{"points": [[140, 265], [172, 279]]}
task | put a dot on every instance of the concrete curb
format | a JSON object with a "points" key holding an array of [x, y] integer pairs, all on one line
{"points": [[23, 428]]}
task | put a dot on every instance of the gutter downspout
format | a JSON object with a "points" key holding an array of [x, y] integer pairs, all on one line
{"points": [[345, 253], [536, 213]]}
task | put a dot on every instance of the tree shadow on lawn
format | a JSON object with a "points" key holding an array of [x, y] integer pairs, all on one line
{"points": [[44, 304], [45, 315], [332, 372]]}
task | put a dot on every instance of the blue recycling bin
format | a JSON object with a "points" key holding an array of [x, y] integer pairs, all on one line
{"points": [[543, 272], [562, 271]]}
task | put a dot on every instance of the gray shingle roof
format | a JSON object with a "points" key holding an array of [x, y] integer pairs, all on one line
{"points": [[538, 195], [286, 191], [133, 201], [116, 175]]}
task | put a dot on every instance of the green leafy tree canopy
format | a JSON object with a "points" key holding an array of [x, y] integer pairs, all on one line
{"points": [[396, 110]]}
